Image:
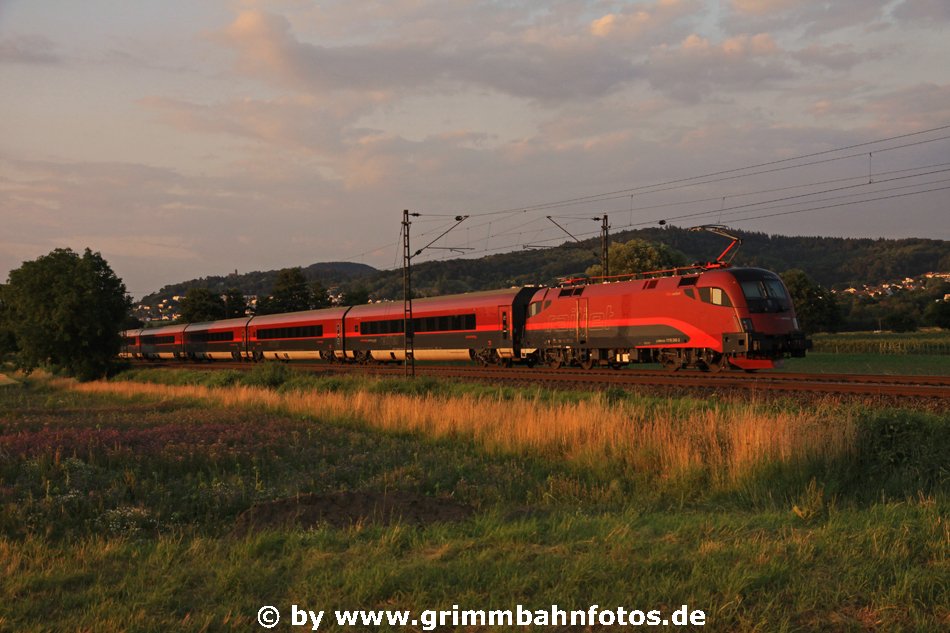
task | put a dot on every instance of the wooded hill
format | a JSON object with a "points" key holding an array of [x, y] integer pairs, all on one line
{"points": [[832, 262], [260, 283]]}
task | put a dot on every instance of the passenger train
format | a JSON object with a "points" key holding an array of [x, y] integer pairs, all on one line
{"points": [[710, 317]]}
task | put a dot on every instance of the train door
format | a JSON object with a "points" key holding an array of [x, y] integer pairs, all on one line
{"points": [[504, 318], [582, 324]]}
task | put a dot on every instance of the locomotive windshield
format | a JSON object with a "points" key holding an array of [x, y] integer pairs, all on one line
{"points": [[764, 292]]}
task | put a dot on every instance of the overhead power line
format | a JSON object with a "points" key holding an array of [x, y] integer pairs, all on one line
{"points": [[497, 226]]}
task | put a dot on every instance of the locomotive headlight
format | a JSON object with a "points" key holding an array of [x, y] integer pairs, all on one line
{"points": [[747, 325]]}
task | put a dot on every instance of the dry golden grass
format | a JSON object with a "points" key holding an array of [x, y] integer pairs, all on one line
{"points": [[727, 443]]}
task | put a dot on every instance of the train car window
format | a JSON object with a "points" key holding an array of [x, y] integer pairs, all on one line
{"points": [[534, 308], [567, 292], [210, 337], [449, 323], [688, 281], [578, 291], [547, 304], [303, 331], [650, 284], [689, 293], [158, 340]]}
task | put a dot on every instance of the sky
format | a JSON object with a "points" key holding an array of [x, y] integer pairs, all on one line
{"points": [[182, 139]]}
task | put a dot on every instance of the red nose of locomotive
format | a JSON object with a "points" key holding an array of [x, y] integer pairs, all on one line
{"points": [[766, 314]]}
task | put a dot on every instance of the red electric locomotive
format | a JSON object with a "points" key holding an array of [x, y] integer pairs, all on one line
{"points": [[701, 318]]}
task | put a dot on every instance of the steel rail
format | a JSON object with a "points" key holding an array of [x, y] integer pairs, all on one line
{"points": [[902, 386]]}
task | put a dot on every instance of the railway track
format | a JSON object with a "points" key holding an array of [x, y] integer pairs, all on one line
{"points": [[897, 387]]}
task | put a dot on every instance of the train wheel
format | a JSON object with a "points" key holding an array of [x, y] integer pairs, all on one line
{"points": [[554, 360], [713, 362], [588, 363], [670, 361]]}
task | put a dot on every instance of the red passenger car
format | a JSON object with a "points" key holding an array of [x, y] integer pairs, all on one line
{"points": [[163, 342], [484, 326], [130, 346], [217, 340], [308, 335]]}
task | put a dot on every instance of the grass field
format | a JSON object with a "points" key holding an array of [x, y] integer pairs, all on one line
{"points": [[935, 342], [866, 363], [125, 506]]}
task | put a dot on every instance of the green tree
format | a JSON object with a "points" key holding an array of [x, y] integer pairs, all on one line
{"points": [[7, 340], [938, 313], [356, 295], [637, 256], [816, 308], [291, 293], [318, 296], [200, 304], [65, 311], [235, 303]]}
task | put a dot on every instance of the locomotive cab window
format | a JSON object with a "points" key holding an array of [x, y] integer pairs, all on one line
{"points": [[765, 295]]}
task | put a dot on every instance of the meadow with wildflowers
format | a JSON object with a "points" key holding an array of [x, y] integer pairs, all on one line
{"points": [[181, 500]]}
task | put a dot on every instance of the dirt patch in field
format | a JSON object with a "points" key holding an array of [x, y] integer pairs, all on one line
{"points": [[347, 508]]}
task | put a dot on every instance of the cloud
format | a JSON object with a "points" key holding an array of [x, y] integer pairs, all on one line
{"points": [[516, 62], [922, 106], [927, 12], [29, 49], [762, 7], [839, 57], [644, 20], [699, 69], [813, 17], [300, 122]]}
